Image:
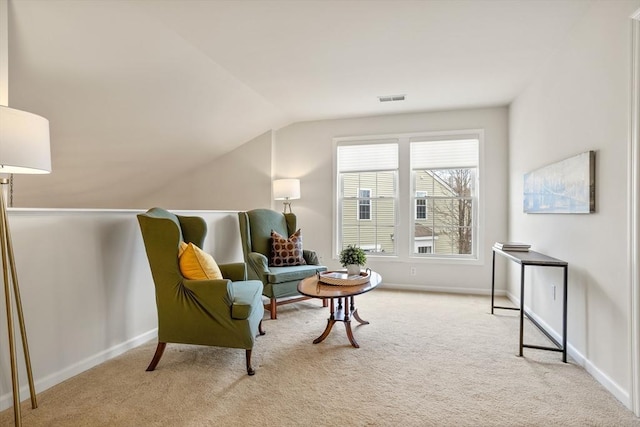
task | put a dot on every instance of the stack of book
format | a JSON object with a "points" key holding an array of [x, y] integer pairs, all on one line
{"points": [[512, 246]]}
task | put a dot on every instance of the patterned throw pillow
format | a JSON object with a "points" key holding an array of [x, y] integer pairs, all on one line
{"points": [[286, 252]]}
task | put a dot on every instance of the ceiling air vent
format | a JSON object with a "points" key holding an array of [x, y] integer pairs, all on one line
{"points": [[390, 98]]}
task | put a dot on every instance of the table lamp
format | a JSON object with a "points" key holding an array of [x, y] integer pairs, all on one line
{"points": [[286, 189], [24, 149]]}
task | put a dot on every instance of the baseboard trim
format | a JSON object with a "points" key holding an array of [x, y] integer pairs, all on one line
{"points": [[614, 388], [42, 384], [618, 392], [442, 289]]}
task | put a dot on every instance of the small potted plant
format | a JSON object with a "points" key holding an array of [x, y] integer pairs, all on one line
{"points": [[352, 257]]}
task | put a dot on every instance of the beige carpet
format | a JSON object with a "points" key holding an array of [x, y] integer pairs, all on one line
{"points": [[425, 360]]}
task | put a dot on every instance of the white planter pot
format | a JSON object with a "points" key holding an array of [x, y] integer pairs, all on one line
{"points": [[353, 269]]}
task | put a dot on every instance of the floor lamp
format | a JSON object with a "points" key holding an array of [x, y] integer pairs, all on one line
{"points": [[24, 149]]}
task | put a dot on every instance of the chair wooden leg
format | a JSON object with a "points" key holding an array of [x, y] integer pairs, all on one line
{"points": [[325, 302], [156, 357], [274, 309], [250, 369], [260, 330]]}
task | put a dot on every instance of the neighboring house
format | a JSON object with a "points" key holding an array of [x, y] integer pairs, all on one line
{"points": [[369, 214], [368, 211]]}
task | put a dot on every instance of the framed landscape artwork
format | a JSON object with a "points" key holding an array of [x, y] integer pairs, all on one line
{"points": [[567, 186]]}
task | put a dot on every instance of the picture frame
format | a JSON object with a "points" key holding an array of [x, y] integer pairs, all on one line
{"points": [[564, 187]]}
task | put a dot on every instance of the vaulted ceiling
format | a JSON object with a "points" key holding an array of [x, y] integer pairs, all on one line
{"points": [[139, 91]]}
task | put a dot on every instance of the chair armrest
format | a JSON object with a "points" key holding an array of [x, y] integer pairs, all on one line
{"points": [[258, 266], [235, 272], [258, 262], [310, 257], [211, 294]]}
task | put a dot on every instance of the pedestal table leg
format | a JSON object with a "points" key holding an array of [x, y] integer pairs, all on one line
{"points": [[330, 322]]}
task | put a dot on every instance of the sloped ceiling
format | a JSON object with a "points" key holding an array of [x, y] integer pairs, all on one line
{"points": [[139, 92]]}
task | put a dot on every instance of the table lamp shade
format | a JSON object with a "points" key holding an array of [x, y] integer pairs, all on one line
{"points": [[286, 189], [24, 142]]}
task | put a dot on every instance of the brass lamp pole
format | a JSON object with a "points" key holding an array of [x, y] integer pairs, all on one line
{"points": [[8, 257], [24, 149]]}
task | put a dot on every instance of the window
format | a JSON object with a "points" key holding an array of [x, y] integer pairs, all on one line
{"points": [[364, 204], [367, 196], [409, 195], [421, 205], [447, 170]]}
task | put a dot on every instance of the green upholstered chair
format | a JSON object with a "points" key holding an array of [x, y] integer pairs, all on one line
{"points": [[279, 282], [224, 313]]}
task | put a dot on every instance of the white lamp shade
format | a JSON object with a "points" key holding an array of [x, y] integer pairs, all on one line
{"points": [[286, 189], [24, 142]]}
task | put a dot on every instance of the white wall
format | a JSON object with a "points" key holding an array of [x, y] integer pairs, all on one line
{"points": [[305, 150], [86, 288], [580, 102], [238, 180]]}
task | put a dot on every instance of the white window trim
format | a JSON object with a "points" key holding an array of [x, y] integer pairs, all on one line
{"points": [[402, 237]]}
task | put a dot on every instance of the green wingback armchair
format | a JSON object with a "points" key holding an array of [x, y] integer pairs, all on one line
{"points": [[279, 282], [224, 313]]}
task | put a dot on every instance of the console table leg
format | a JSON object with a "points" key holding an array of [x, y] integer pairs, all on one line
{"points": [[564, 317], [521, 308], [493, 279]]}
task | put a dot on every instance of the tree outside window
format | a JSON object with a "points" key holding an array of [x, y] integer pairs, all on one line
{"points": [[456, 212]]}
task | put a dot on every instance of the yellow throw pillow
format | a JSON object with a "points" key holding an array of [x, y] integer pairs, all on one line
{"points": [[181, 248], [195, 264]]}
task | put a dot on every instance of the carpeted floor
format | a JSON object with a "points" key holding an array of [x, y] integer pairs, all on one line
{"points": [[425, 360]]}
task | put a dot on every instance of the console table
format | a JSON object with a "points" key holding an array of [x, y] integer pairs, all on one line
{"points": [[531, 258]]}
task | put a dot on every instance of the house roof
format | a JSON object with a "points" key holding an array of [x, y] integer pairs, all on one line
{"points": [[423, 231]]}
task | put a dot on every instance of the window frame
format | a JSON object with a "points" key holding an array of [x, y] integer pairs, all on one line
{"points": [[403, 236]]}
